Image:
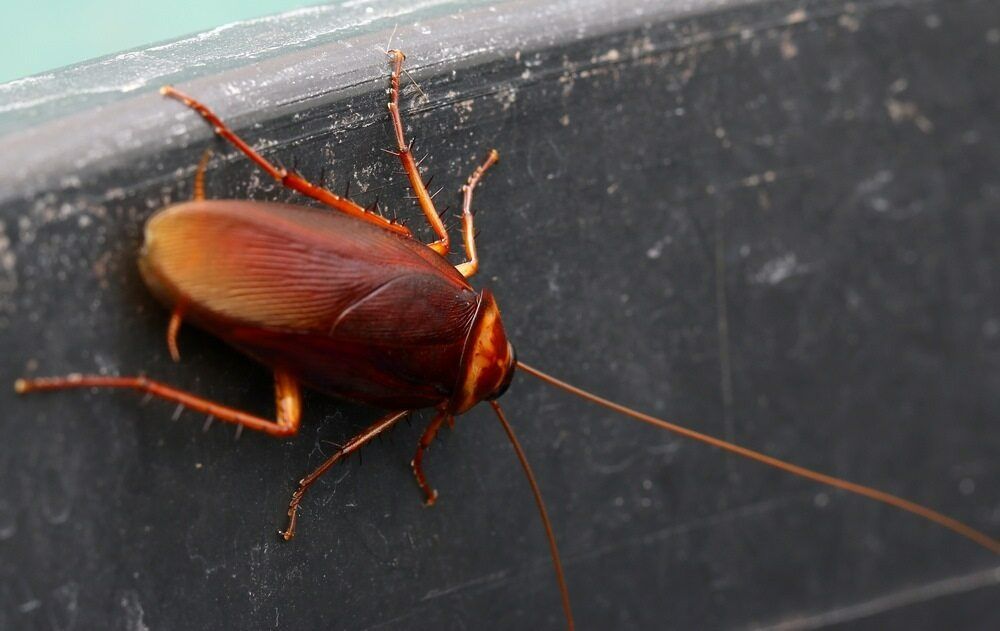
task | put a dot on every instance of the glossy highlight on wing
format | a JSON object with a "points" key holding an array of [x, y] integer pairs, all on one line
{"points": [[284, 267]]}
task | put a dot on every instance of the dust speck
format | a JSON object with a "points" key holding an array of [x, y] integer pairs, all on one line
{"points": [[779, 269], [796, 17], [788, 48]]}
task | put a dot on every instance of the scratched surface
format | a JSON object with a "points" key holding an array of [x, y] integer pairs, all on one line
{"points": [[773, 221]]}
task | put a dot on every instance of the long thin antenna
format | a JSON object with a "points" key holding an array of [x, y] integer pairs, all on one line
{"points": [[880, 496], [563, 590]]}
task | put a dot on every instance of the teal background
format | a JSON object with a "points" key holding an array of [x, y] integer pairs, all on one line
{"points": [[42, 35]]}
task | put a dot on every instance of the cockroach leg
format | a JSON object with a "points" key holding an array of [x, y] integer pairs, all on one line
{"points": [[403, 150], [470, 267], [199, 176], [352, 445], [287, 398], [430, 495], [282, 175], [176, 318]]}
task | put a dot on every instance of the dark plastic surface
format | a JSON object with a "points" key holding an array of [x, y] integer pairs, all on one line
{"points": [[774, 221]]}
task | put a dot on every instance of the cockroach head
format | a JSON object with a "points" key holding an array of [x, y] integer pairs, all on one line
{"points": [[488, 359]]}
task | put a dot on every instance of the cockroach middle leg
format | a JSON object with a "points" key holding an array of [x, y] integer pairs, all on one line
{"points": [[430, 495], [176, 318], [352, 445], [471, 266], [177, 315], [287, 399], [198, 193], [286, 178], [442, 245]]}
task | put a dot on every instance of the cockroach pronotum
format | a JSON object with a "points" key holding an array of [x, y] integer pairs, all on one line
{"points": [[351, 304]]}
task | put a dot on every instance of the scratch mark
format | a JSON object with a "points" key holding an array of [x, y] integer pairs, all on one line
{"points": [[888, 602], [482, 580], [722, 324], [701, 523]]}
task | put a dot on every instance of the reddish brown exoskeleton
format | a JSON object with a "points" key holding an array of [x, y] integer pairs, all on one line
{"points": [[351, 304]]}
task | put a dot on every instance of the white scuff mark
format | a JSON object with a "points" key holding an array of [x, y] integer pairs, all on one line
{"points": [[8, 521], [27, 104], [29, 605], [907, 111], [134, 613], [8, 260], [64, 606], [655, 251], [899, 85], [788, 48], [611, 56], [8, 285], [849, 23], [796, 17], [967, 486], [507, 98], [756, 179], [20, 83], [779, 269], [552, 279], [875, 183]]}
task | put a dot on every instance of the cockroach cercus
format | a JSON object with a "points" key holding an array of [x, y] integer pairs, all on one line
{"points": [[351, 304]]}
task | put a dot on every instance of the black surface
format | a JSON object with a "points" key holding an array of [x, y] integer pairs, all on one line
{"points": [[774, 221]]}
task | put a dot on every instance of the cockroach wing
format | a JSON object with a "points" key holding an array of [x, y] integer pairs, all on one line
{"points": [[347, 307]]}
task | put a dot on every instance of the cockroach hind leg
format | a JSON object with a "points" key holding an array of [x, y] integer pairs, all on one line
{"points": [[287, 399]]}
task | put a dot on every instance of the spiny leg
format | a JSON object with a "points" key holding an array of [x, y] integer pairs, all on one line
{"points": [[287, 179], [287, 398], [440, 246], [470, 267], [430, 495], [352, 445]]}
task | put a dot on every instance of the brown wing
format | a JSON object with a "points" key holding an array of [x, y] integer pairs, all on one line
{"points": [[348, 307]]}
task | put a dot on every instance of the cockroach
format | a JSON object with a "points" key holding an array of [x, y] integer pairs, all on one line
{"points": [[349, 303]]}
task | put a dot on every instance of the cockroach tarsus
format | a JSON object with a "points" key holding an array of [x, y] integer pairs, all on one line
{"points": [[327, 313]]}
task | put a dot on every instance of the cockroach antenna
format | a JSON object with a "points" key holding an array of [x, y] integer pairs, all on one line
{"points": [[388, 45]]}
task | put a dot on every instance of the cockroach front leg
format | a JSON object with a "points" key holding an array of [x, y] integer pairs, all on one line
{"points": [[470, 267], [287, 179], [430, 495], [352, 445], [441, 246], [287, 399]]}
